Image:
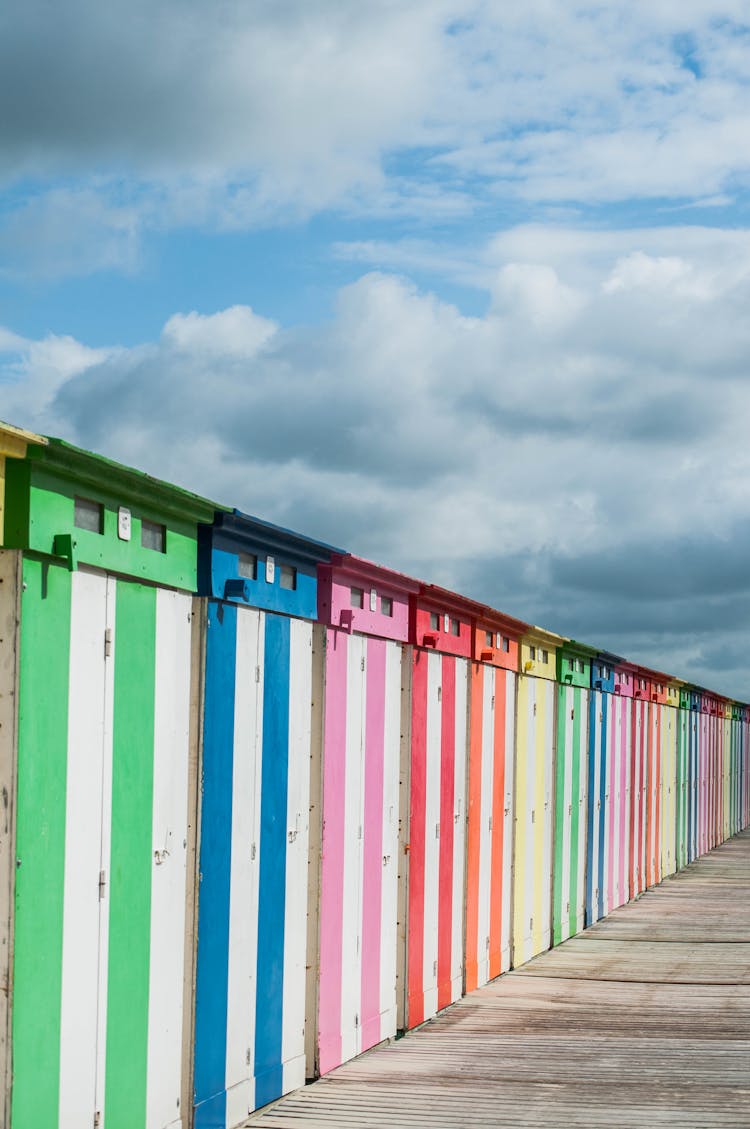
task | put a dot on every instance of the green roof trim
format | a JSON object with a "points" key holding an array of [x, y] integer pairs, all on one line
{"points": [[87, 468], [79, 508]]}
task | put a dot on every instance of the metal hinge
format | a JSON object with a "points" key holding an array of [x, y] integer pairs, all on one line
{"points": [[107, 646], [362, 663], [252, 851], [257, 674], [97, 1119], [102, 884], [356, 1021]]}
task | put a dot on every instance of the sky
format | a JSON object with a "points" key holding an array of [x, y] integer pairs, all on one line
{"points": [[459, 285]]}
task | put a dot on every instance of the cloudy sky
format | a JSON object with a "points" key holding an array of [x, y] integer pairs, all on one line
{"points": [[461, 285]]}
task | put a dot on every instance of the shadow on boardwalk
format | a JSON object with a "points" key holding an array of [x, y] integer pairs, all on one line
{"points": [[643, 1020]]}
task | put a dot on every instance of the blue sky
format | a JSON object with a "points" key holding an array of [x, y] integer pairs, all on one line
{"points": [[460, 285]]}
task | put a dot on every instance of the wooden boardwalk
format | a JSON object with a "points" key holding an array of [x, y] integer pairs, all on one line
{"points": [[643, 1020]]}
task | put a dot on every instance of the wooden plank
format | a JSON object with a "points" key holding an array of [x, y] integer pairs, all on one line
{"points": [[614, 1027]]}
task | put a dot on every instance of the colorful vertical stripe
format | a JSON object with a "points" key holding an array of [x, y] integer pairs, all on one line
{"points": [[532, 846], [359, 866], [640, 754], [249, 1042], [489, 823], [568, 903], [436, 833], [668, 789], [103, 999], [682, 776], [654, 795], [617, 829], [596, 806]]}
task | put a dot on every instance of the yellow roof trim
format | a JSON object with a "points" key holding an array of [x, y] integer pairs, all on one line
{"points": [[15, 440], [541, 635]]}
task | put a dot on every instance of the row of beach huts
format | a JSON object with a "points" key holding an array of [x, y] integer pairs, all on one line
{"points": [[266, 804]]}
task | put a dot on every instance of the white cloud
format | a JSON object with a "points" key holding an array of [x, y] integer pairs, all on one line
{"points": [[236, 332], [70, 231], [232, 116], [33, 372], [578, 455]]}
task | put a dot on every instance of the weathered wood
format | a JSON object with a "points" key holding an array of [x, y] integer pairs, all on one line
{"points": [[642, 1021]]}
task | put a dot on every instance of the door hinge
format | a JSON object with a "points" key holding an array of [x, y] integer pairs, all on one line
{"points": [[107, 642], [362, 663], [257, 674], [102, 884], [97, 1119]]}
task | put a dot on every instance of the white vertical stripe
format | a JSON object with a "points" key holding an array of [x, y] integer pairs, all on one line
{"points": [[389, 893], [243, 879], [353, 837], [596, 875], [549, 691], [459, 827], [298, 834], [168, 884], [80, 1024], [567, 754], [106, 845], [582, 800], [615, 793], [487, 754], [529, 817], [510, 760], [432, 822], [608, 756]]}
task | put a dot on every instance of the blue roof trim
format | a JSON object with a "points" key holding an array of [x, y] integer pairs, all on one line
{"points": [[241, 532]]}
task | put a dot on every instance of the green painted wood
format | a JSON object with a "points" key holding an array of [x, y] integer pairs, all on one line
{"points": [[131, 860], [40, 493], [40, 844], [570, 655]]}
